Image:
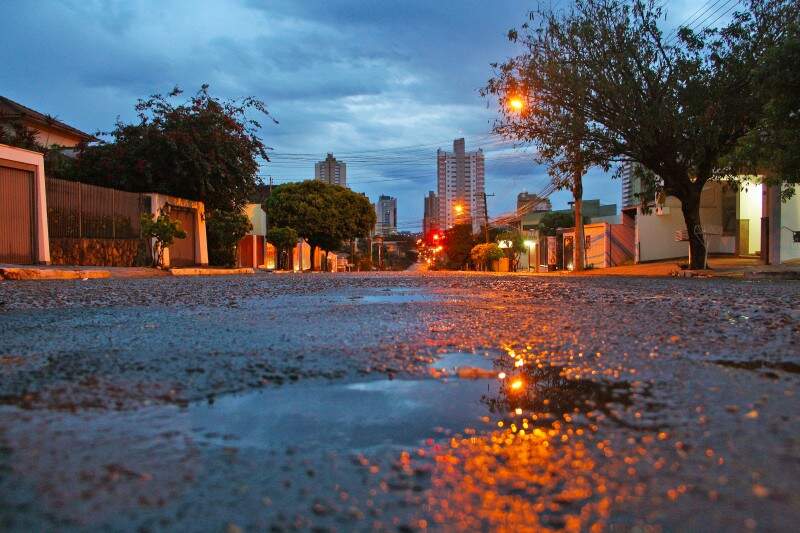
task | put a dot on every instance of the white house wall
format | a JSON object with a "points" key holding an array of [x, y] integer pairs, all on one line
{"points": [[790, 218], [656, 232]]}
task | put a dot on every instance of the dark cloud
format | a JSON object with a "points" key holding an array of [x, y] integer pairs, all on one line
{"points": [[341, 76]]}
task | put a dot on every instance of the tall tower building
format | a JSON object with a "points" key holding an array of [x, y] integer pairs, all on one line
{"points": [[386, 213], [331, 171], [460, 178], [430, 219]]}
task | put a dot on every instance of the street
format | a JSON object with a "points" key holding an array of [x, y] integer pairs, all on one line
{"points": [[399, 402]]}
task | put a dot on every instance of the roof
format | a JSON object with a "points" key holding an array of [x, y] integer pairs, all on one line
{"points": [[9, 109]]}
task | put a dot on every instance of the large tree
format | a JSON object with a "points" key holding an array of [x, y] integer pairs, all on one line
{"points": [[772, 147], [603, 85], [203, 148], [324, 215]]}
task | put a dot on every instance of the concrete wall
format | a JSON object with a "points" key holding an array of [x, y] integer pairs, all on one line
{"points": [[258, 218], [158, 201], [33, 161], [655, 233], [51, 137], [790, 218], [301, 256]]}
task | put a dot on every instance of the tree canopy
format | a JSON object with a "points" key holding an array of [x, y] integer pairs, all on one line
{"points": [[323, 214], [772, 147], [458, 242], [203, 149], [224, 230], [602, 84]]}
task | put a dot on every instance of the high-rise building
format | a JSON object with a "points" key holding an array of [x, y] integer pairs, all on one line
{"points": [[533, 203], [460, 178], [386, 216], [430, 219], [331, 171]]}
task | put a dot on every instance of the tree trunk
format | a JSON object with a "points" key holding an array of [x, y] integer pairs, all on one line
{"points": [[580, 241], [690, 206]]}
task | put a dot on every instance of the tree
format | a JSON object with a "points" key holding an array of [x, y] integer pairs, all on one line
{"points": [[203, 149], [458, 242], [284, 240], [483, 254], [552, 221], [603, 85], [224, 230], [516, 245], [772, 147], [323, 214], [163, 230]]}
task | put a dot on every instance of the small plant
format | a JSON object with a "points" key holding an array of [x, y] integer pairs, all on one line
{"points": [[160, 233]]}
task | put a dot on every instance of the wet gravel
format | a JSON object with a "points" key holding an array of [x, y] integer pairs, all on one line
{"points": [[309, 401]]}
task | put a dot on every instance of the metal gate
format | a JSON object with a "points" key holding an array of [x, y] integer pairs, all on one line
{"points": [[181, 253], [17, 233]]}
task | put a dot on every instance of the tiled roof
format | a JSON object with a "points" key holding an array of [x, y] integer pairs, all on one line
{"points": [[9, 109]]}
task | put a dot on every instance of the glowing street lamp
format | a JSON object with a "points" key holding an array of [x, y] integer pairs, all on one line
{"points": [[516, 104], [458, 208]]}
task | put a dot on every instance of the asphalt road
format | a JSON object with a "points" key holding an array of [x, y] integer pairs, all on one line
{"points": [[399, 402]]}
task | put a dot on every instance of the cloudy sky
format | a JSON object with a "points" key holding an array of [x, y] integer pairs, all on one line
{"points": [[379, 84]]}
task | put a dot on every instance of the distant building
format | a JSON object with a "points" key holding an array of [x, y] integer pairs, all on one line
{"points": [[386, 216], [430, 219], [591, 209], [460, 181], [331, 171], [528, 202]]}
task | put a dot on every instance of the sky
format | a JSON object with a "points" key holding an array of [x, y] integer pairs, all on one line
{"points": [[379, 84]]}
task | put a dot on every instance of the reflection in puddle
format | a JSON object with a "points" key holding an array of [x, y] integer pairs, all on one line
{"points": [[355, 416], [465, 454]]}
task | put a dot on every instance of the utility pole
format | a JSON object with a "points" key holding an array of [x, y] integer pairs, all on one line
{"points": [[486, 217]]}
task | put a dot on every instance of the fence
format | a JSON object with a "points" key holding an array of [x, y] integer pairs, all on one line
{"points": [[80, 211]]}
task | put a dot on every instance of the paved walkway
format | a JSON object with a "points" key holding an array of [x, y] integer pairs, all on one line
{"points": [[66, 272]]}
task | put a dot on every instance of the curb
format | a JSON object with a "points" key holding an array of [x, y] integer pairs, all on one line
{"points": [[21, 274], [210, 271]]}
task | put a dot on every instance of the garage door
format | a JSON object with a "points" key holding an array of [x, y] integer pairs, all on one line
{"points": [[181, 253], [16, 216]]}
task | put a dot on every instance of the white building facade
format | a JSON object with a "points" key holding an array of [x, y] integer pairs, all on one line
{"points": [[460, 184]]}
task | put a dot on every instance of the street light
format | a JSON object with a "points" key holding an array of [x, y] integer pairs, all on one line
{"points": [[458, 208], [516, 104]]}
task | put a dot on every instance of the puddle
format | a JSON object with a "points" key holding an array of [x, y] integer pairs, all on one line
{"points": [[451, 362], [346, 416]]}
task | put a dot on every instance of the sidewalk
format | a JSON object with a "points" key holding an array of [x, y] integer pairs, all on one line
{"points": [[66, 272], [729, 267]]}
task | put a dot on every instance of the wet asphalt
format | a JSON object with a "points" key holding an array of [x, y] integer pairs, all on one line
{"points": [[399, 402]]}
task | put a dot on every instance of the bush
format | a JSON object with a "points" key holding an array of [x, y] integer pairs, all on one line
{"points": [[224, 230], [164, 231], [483, 254]]}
